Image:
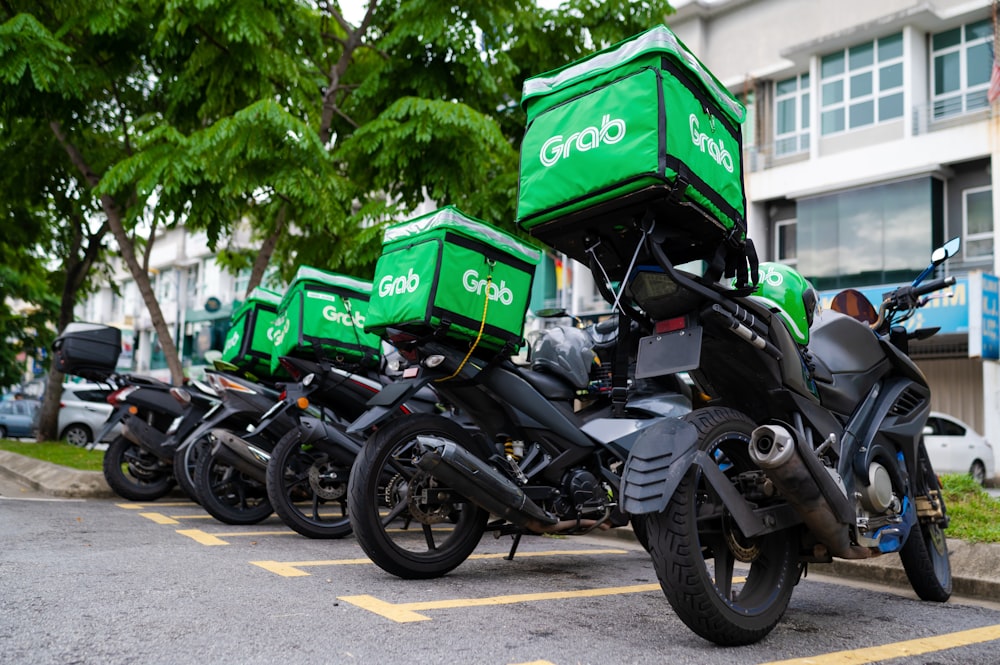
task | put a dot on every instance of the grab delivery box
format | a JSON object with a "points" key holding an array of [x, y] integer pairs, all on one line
{"points": [[449, 273], [639, 133], [322, 315], [248, 343]]}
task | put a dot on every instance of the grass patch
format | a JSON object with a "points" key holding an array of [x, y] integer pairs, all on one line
{"points": [[975, 515], [57, 452]]}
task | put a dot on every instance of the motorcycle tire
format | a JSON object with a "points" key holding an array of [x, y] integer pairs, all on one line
{"points": [[135, 474], [185, 462], [229, 495], [925, 555], [701, 557], [307, 489], [387, 495]]}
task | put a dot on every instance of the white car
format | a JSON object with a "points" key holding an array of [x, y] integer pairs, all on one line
{"points": [[954, 447], [83, 409]]}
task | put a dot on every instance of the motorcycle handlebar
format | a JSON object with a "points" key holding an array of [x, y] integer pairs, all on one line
{"points": [[933, 285]]}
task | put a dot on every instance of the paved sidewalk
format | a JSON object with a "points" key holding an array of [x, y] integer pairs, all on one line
{"points": [[975, 566]]}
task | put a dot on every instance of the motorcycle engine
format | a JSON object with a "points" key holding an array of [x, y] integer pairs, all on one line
{"points": [[582, 494]]}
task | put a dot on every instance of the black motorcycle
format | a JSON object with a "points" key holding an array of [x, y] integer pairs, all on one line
{"points": [[809, 446], [545, 455]]}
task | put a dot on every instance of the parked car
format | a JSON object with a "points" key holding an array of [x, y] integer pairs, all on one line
{"points": [[17, 418], [83, 409], [954, 447]]}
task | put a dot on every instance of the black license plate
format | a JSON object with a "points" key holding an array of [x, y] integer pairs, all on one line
{"points": [[667, 353]]}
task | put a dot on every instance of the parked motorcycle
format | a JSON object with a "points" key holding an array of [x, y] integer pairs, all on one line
{"points": [[154, 415], [534, 459], [809, 449]]}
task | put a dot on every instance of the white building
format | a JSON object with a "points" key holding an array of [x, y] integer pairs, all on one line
{"points": [[869, 141]]}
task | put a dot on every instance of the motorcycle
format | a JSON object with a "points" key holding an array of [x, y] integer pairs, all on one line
{"points": [[544, 456], [809, 446], [295, 458], [138, 462]]}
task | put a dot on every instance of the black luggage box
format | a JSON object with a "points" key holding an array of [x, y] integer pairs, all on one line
{"points": [[87, 349]]}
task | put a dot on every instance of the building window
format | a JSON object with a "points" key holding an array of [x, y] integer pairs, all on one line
{"points": [[785, 243], [961, 60], [862, 85], [791, 115], [977, 221]]}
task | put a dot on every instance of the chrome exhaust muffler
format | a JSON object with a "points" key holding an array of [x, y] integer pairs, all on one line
{"points": [[775, 450]]}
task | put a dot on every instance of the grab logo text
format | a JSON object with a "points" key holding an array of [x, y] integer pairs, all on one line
{"points": [[556, 148], [474, 284], [716, 149], [356, 319], [394, 286]]}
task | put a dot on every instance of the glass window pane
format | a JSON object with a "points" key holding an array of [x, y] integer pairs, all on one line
{"points": [[890, 106], [890, 77], [786, 117], [785, 146], [890, 47], [978, 64], [862, 114], [947, 38], [833, 92], [976, 100], [787, 86], [861, 85], [947, 73], [979, 211], [978, 30], [948, 106], [805, 111], [832, 64], [805, 82], [832, 121], [786, 242], [862, 55], [978, 248]]}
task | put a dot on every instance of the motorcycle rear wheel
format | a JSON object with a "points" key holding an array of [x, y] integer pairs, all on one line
{"points": [[387, 496], [925, 555], [135, 474], [696, 547], [229, 495], [307, 490]]}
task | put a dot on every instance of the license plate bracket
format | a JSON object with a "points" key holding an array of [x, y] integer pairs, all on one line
{"points": [[668, 353]]}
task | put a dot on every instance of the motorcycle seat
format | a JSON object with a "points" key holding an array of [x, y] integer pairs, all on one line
{"points": [[551, 387]]}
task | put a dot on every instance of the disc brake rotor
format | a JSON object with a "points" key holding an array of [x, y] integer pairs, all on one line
{"points": [[743, 549], [421, 488], [322, 480]]}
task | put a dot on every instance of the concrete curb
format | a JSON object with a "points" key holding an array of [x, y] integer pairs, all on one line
{"points": [[53, 479]]}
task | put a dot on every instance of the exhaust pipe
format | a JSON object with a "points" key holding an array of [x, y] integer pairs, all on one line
{"points": [[477, 481], [242, 454], [810, 491]]}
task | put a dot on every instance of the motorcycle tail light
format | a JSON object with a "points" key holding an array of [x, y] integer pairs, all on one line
{"points": [[222, 383], [294, 371], [121, 395], [670, 325], [181, 395]]}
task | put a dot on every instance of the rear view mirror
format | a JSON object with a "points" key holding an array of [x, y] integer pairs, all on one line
{"points": [[946, 251]]}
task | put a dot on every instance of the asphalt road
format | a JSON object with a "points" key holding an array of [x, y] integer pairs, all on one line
{"points": [[106, 581]]}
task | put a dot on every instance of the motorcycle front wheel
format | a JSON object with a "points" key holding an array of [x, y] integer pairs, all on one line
{"points": [[185, 462], [135, 474], [307, 488], [727, 588], [403, 519], [925, 555], [228, 494]]}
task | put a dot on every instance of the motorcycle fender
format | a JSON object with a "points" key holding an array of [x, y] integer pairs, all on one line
{"points": [[144, 435], [116, 417], [659, 458], [386, 402]]}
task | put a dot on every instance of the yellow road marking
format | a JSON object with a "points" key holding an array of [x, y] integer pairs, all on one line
{"points": [[166, 504], [159, 518], [291, 568], [406, 612], [192, 517], [899, 649], [217, 538]]}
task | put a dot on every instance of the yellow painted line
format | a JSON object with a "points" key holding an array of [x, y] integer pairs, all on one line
{"points": [[206, 538], [536, 662], [406, 612], [192, 517], [292, 568], [159, 518], [165, 504], [899, 649]]}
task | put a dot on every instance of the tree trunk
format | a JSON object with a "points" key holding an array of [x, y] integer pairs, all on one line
{"points": [[266, 252], [127, 249]]}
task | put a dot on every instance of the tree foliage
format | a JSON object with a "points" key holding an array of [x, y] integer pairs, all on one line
{"points": [[284, 115]]}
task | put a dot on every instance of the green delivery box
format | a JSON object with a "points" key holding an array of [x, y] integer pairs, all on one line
{"points": [[323, 315], [248, 343], [638, 131], [447, 272]]}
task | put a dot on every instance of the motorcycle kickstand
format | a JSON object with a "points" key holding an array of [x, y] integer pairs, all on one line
{"points": [[513, 547]]}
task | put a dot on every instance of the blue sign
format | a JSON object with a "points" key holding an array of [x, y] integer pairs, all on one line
{"points": [[991, 318], [947, 309]]}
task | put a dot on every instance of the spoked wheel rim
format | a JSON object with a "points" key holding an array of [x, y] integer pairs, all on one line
{"points": [[308, 489], [407, 522], [726, 587]]}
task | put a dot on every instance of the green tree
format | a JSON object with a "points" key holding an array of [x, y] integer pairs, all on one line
{"points": [[284, 115]]}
